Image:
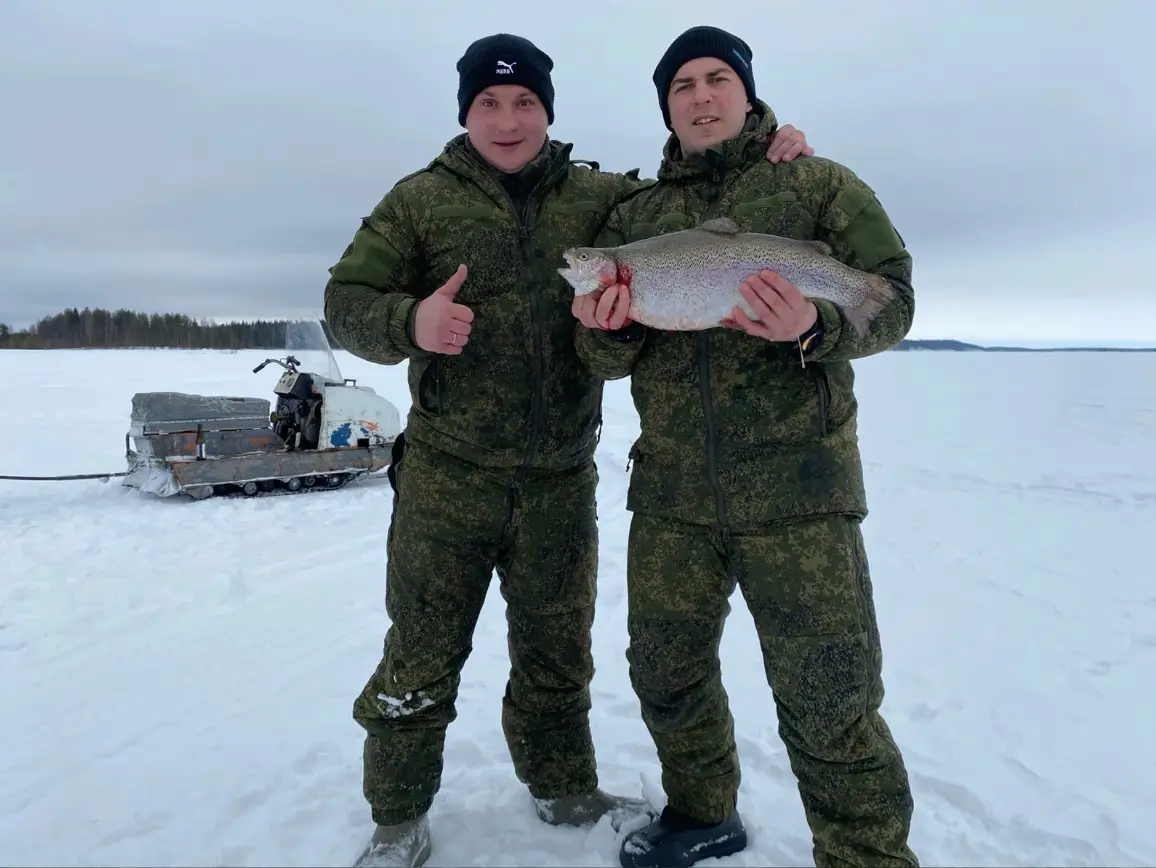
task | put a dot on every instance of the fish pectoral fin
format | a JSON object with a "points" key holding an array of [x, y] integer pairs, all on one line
{"points": [[721, 225], [821, 247]]}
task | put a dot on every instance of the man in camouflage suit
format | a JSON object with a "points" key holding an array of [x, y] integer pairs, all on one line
{"points": [[455, 271], [747, 472]]}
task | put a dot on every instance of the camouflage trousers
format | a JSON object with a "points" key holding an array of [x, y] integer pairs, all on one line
{"points": [[808, 589], [453, 525]]}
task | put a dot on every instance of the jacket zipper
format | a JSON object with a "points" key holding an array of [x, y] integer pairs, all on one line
{"points": [[711, 432], [537, 396], [708, 404], [824, 400], [538, 399]]}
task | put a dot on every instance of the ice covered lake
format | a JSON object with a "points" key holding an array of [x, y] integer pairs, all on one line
{"points": [[176, 678]]}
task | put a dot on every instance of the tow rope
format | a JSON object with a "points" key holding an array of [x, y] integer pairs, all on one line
{"points": [[102, 476]]}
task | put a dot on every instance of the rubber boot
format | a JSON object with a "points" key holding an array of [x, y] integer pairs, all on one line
{"points": [[406, 845], [675, 840], [589, 808]]}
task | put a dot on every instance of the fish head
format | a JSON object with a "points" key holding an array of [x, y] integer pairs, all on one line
{"points": [[589, 269]]}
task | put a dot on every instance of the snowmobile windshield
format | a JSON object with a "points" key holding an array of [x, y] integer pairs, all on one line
{"points": [[305, 340]]}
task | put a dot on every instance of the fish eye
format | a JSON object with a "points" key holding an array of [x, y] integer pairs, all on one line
{"points": [[583, 256]]}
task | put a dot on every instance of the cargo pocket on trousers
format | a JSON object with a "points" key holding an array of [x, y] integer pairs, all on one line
{"points": [[863, 589], [805, 580]]}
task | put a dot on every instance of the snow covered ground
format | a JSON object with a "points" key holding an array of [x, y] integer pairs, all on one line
{"points": [[176, 678]]}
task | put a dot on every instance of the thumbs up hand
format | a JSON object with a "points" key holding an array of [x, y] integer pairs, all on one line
{"points": [[441, 325]]}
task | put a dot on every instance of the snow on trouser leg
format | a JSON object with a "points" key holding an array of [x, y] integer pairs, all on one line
{"points": [[807, 587], [436, 583]]}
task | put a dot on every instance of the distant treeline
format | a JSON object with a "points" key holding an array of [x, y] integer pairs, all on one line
{"points": [[100, 329], [97, 328]]}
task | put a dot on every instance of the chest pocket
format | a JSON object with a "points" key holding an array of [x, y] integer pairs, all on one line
{"points": [[572, 224], [672, 221], [484, 238], [559, 226], [780, 214]]}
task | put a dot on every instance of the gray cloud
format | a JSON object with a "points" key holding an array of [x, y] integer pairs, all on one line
{"points": [[215, 158]]}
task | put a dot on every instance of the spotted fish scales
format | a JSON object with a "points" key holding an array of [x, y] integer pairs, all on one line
{"points": [[689, 280]]}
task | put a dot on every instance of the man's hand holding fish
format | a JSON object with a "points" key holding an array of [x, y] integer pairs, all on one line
{"points": [[607, 308], [783, 312]]}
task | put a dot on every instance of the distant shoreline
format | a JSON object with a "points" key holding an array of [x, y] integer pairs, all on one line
{"points": [[928, 345], [947, 345]]}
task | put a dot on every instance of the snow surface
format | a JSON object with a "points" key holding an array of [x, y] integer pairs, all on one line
{"points": [[176, 678]]}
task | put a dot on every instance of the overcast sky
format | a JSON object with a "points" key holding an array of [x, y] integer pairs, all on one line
{"points": [[214, 157]]}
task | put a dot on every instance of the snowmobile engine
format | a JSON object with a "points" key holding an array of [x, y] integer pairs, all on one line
{"points": [[297, 417]]}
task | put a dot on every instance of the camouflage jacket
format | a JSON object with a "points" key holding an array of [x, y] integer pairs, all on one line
{"points": [[736, 430], [518, 395]]}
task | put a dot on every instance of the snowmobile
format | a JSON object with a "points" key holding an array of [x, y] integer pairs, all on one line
{"points": [[324, 431]]}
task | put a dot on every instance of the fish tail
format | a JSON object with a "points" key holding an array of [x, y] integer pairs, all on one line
{"points": [[878, 294]]}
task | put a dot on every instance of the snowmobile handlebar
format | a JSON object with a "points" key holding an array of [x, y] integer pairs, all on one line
{"points": [[289, 363]]}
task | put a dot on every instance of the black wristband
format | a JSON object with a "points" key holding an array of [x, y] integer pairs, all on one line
{"points": [[626, 334]]}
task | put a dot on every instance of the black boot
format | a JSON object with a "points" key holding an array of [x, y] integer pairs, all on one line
{"points": [[675, 840]]}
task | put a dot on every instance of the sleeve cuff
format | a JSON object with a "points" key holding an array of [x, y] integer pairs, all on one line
{"points": [[832, 323], [401, 327]]}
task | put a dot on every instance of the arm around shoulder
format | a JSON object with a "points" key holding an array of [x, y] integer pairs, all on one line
{"points": [[373, 290], [861, 234]]}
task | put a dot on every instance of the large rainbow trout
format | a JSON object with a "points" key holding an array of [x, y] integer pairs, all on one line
{"points": [[689, 280]]}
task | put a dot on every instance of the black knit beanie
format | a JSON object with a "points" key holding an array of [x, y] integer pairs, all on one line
{"points": [[703, 42], [504, 59]]}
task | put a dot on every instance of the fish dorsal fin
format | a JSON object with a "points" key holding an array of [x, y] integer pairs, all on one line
{"points": [[821, 247], [721, 226]]}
